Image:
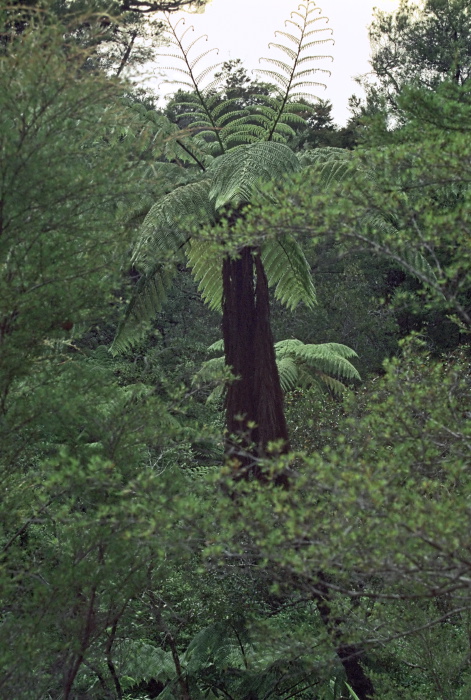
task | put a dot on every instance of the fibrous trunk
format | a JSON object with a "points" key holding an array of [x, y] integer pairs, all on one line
{"points": [[254, 403]]}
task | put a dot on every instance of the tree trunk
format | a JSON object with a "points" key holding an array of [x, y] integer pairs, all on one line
{"points": [[254, 402], [350, 655]]}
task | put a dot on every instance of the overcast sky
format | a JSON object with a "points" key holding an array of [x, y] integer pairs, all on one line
{"points": [[243, 29]]}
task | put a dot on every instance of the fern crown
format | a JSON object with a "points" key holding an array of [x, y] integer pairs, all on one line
{"points": [[291, 75], [236, 150]]}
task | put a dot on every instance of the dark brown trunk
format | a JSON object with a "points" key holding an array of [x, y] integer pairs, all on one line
{"points": [[350, 655], [254, 403]]}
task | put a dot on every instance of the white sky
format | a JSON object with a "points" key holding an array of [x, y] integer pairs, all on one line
{"points": [[243, 28]]}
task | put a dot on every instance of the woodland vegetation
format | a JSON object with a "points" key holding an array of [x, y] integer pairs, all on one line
{"points": [[235, 435]]}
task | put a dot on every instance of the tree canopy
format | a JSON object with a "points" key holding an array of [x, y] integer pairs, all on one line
{"points": [[157, 544]]}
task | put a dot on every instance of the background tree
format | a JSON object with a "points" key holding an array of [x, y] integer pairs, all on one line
{"points": [[73, 440], [420, 45]]}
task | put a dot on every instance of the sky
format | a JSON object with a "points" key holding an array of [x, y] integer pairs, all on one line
{"points": [[243, 29]]}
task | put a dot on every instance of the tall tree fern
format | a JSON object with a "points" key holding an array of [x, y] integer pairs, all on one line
{"points": [[235, 152]]}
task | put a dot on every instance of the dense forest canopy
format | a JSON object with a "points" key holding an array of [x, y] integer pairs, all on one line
{"points": [[234, 362]]}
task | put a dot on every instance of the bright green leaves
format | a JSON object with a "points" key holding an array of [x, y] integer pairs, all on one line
{"points": [[237, 173], [299, 364], [288, 271], [306, 364]]}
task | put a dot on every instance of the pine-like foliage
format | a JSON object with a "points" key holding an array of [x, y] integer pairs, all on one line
{"points": [[236, 151]]}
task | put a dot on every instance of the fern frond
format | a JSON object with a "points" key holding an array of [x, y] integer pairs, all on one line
{"points": [[285, 49], [241, 137], [203, 94], [328, 358], [168, 223], [335, 386], [148, 297], [288, 373], [293, 118], [298, 364], [285, 67], [204, 73], [330, 165], [224, 106], [325, 359], [273, 75], [206, 268], [288, 271], [291, 37], [288, 347], [290, 79], [140, 661], [218, 346], [231, 117], [195, 61], [237, 172]]}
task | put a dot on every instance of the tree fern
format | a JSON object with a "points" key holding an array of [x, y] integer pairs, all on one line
{"points": [[288, 271], [245, 148], [237, 172], [231, 179]]}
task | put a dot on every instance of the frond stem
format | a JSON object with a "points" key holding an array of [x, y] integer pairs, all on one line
{"points": [[290, 82], [192, 155], [199, 94]]}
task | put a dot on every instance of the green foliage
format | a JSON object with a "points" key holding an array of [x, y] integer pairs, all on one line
{"points": [[228, 182], [82, 494], [324, 360], [224, 124], [298, 364], [130, 565]]}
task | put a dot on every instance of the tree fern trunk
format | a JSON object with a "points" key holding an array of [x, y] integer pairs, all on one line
{"points": [[254, 403]]}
